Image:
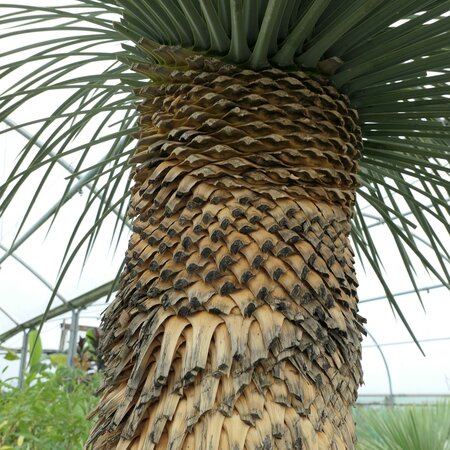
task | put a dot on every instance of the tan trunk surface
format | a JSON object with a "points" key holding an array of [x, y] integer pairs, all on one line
{"points": [[236, 325]]}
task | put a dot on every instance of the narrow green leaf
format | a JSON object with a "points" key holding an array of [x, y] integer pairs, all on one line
{"points": [[380, 206], [418, 81], [295, 39], [414, 27], [239, 51], [201, 39], [400, 71], [71, 258], [340, 25], [252, 10], [220, 42], [388, 292], [224, 13], [370, 63], [179, 22], [268, 34], [365, 33], [284, 25], [35, 349]]}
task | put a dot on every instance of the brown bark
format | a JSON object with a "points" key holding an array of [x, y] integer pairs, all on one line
{"points": [[236, 325]]}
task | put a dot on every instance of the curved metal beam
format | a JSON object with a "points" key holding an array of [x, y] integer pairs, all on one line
{"points": [[381, 221], [11, 318], [39, 277], [83, 181], [27, 135], [386, 344], [78, 302], [391, 392], [398, 294], [72, 191], [428, 245]]}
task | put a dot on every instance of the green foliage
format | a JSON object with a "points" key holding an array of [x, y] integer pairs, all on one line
{"points": [[11, 356], [35, 349], [418, 427], [50, 412]]}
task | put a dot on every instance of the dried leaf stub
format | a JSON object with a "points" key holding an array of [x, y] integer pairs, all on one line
{"points": [[236, 324]]}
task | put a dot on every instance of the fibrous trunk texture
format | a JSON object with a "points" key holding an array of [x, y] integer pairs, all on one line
{"points": [[236, 325]]}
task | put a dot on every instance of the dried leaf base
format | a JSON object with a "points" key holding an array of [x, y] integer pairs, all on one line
{"points": [[236, 323]]}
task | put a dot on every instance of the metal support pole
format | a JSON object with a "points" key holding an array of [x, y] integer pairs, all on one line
{"points": [[73, 338], [23, 359], [62, 339], [390, 400]]}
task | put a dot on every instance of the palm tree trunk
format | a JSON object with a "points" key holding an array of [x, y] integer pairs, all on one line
{"points": [[236, 325]]}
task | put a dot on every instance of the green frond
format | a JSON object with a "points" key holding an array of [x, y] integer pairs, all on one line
{"points": [[239, 49], [95, 97]]}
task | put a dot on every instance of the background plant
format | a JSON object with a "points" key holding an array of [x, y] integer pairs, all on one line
{"points": [[50, 411], [88, 357], [418, 427]]}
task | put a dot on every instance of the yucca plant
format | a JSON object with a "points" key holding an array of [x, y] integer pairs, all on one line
{"points": [[418, 427], [257, 123]]}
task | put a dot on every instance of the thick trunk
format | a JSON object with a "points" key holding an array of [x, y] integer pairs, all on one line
{"points": [[236, 323]]}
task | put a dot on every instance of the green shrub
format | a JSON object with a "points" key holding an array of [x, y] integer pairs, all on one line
{"points": [[419, 427], [49, 413]]}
